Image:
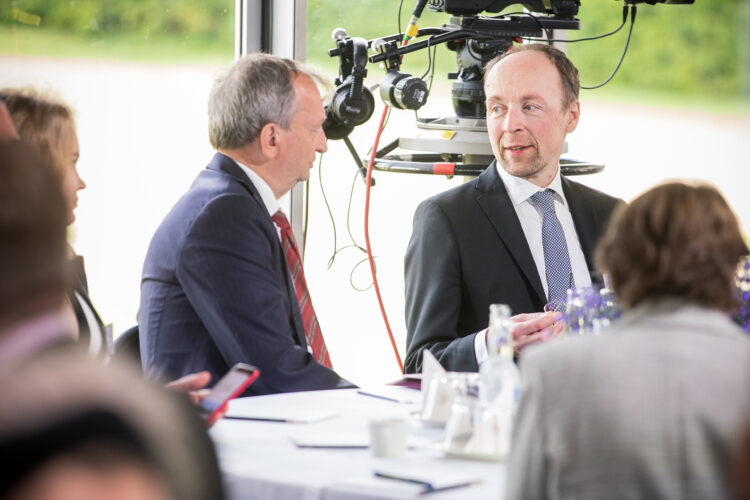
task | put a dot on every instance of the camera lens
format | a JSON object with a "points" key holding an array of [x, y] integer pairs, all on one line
{"points": [[403, 91]]}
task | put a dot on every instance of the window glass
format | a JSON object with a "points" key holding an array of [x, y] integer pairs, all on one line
{"points": [[137, 74], [351, 319]]}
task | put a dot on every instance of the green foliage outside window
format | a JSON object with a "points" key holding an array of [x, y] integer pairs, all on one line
{"points": [[145, 30], [698, 50]]}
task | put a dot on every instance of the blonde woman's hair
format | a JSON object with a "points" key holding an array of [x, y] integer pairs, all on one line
{"points": [[43, 123]]}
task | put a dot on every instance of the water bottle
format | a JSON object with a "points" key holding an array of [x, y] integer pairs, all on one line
{"points": [[591, 300], [608, 309], [574, 313], [500, 380], [500, 385]]}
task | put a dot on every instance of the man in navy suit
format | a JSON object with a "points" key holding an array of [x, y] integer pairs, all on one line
{"points": [[216, 288], [482, 243]]}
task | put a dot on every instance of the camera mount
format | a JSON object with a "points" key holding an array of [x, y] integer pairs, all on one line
{"points": [[456, 145]]}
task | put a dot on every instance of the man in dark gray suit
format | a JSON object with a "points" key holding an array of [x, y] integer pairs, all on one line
{"points": [[484, 242], [216, 287]]}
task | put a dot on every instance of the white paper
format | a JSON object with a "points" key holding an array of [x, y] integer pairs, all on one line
{"points": [[320, 439]]}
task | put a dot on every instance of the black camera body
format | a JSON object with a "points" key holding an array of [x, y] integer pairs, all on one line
{"points": [[654, 2], [565, 9]]}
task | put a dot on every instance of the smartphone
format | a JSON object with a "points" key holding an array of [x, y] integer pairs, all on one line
{"points": [[230, 386]]}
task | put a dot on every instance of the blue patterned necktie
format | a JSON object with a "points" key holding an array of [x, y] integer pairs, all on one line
{"points": [[556, 257]]}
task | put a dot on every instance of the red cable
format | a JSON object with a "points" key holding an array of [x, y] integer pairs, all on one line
{"points": [[370, 164], [367, 238]]}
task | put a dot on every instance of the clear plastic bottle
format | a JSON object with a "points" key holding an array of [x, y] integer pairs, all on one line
{"points": [[608, 310], [500, 385], [500, 380], [590, 313], [574, 313]]}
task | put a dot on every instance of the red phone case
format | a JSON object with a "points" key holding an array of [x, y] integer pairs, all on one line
{"points": [[214, 415]]}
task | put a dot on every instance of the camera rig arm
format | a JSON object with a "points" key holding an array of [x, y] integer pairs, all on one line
{"points": [[475, 28]]}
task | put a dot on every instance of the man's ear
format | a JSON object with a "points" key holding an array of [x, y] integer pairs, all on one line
{"points": [[574, 113], [269, 140]]}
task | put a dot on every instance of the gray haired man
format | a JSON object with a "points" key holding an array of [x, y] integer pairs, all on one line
{"points": [[223, 281]]}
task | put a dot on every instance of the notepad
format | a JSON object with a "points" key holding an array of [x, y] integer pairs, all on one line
{"points": [[338, 440]]}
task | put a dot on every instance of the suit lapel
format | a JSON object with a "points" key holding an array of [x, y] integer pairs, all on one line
{"points": [[494, 201], [224, 164], [584, 219]]}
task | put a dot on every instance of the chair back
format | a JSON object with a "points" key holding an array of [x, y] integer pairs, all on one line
{"points": [[127, 346]]}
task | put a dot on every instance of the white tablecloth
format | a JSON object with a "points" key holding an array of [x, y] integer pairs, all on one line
{"points": [[259, 460]]}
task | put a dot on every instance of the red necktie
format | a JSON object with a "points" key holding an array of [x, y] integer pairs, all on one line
{"points": [[309, 320]]}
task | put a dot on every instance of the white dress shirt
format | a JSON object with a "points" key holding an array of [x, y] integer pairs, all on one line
{"points": [[265, 192], [530, 216]]}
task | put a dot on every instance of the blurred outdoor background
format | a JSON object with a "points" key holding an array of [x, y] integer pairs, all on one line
{"points": [[138, 73]]}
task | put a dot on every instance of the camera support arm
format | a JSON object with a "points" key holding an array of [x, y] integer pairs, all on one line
{"points": [[479, 28]]}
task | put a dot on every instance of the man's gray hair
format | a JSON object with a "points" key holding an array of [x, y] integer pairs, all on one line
{"points": [[257, 90]]}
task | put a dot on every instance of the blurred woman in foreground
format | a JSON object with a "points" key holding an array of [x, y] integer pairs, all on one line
{"points": [[655, 407]]}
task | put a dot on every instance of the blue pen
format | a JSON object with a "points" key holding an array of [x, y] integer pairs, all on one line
{"points": [[420, 482], [428, 490], [378, 396]]}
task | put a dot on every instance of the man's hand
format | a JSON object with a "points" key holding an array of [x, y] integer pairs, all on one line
{"points": [[192, 385], [531, 328]]}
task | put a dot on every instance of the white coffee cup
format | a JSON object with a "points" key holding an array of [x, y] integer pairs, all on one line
{"points": [[388, 437]]}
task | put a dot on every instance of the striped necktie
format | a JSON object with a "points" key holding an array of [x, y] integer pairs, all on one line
{"points": [[309, 320], [556, 258]]}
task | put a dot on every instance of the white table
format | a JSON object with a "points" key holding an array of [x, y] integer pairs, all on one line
{"points": [[259, 460]]}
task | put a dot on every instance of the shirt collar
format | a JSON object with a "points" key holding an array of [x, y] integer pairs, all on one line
{"points": [[264, 190], [521, 190]]}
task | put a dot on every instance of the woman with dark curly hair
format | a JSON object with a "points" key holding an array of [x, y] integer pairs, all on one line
{"points": [[655, 408]]}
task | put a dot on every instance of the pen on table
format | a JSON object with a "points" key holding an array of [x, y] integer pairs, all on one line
{"points": [[379, 396], [429, 490], [267, 419], [411, 480]]}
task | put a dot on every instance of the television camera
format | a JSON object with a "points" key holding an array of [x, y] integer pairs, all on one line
{"points": [[476, 39]]}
